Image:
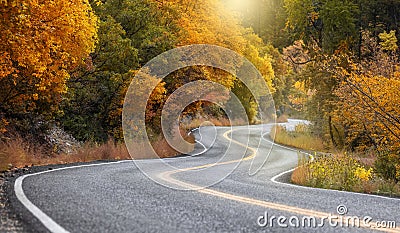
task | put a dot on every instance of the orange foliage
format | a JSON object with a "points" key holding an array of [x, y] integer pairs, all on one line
{"points": [[41, 41], [370, 103], [209, 22]]}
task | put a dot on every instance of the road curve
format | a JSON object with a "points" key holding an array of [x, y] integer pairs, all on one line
{"points": [[118, 197]]}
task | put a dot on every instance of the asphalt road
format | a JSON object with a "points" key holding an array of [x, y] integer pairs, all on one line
{"points": [[119, 197]]}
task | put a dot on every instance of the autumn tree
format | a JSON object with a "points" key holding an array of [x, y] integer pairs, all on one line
{"points": [[131, 32], [378, 16], [266, 18], [258, 54], [210, 22], [368, 108], [40, 43]]}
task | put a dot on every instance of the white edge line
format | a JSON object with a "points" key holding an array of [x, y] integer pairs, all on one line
{"points": [[198, 141], [48, 222], [202, 152], [274, 179], [52, 226]]}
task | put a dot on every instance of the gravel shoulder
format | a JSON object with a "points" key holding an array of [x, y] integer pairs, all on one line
{"points": [[11, 210], [9, 220]]}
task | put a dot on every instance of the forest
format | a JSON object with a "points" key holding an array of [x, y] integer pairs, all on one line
{"points": [[66, 66]]}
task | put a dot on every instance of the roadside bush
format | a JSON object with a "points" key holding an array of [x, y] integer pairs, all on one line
{"points": [[387, 166], [341, 172]]}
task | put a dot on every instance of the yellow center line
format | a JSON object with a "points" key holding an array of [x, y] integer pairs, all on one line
{"points": [[167, 176]]}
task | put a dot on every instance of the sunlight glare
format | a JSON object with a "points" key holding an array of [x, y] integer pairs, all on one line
{"points": [[238, 5]]}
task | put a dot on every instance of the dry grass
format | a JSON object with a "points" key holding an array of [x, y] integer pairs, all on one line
{"points": [[299, 139], [215, 121], [92, 151], [282, 119], [299, 175], [162, 148], [18, 152]]}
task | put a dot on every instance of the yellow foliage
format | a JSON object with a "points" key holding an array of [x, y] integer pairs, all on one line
{"points": [[41, 42], [363, 174], [389, 40], [371, 103], [336, 172], [209, 22]]}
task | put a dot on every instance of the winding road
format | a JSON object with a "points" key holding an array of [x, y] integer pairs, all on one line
{"points": [[119, 197]]}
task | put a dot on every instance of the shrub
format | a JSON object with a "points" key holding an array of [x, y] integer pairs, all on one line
{"points": [[341, 172], [387, 166]]}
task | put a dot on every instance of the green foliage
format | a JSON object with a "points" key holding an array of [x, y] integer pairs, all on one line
{"points": [[258, 54], [328, 23], [339, 23], [388, 165], [336, 24], [247, 101], [379, 16], [300, 15], [150, 28], [93, 88], [131, 32]]}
